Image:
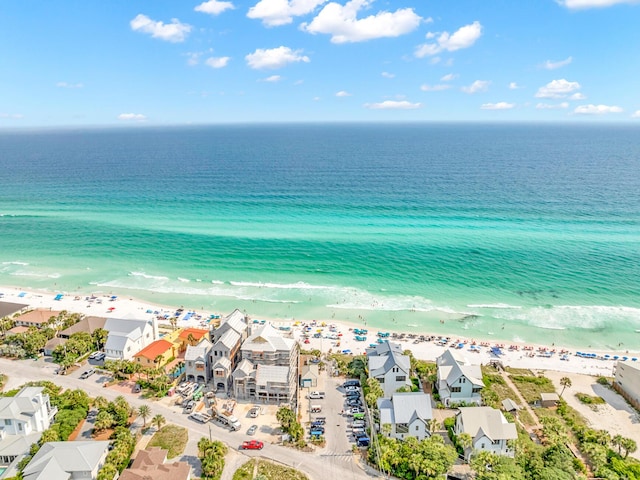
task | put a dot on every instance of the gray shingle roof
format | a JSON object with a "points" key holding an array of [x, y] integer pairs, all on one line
{"points": [[452, 366], [405, 408], [384, 349], [198, 351], [55, 458], [379, 365], [487, 420], [244, 369], [22, 406], [267, 339], [229, 339]]}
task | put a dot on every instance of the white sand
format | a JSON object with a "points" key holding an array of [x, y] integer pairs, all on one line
{"points": [[125, 307]]}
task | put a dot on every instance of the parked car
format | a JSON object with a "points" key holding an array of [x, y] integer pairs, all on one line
{"points": [[200, 417], [252, 445], [189, 407], [136, 388], [351, 383], [316, 395], [87, 373], [100, 356], [252, 430], [355, 410], [318, 423], [351, 388], [352, 395], [253, 413], [93, 355], [363, 442], [317, 432], [354, 402], [358, 423]]}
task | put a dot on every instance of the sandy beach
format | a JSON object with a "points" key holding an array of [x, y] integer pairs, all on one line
{"points": [[339, 336]]}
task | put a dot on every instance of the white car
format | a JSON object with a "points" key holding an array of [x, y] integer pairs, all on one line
{"points": [[316, 395]]}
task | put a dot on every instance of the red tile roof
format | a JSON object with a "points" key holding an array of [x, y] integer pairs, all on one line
{"points": [[197, 333], [37, 316], [151, 351]]}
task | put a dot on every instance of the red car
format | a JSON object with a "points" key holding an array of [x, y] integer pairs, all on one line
{"points": [[252, 445]]}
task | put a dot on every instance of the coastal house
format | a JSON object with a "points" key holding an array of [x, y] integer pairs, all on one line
{"points": [[309, 375], [191, 336], [155, 354], [407, 414], [151, 464], [224, 353], [16, 330], [196, 362], [627, 381], [86, 324], [35, 318], [9, 309], [390, 367], [268, 371], [67, 461], [127, 337], [23, 418], [488, 428], [458, 380]]}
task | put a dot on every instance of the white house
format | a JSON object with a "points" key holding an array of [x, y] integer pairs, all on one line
{"points": [[458, 380], [196, 362], [627, 381], [128, 336], [488, 428], [67, 461], [407, 413], [23, 418], [391, 368]]}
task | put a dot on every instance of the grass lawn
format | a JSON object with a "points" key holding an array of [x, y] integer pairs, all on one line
{"points": [[172, 438], [270, 471], [532, 386]]}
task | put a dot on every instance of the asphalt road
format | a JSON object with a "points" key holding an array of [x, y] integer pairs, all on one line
{"points": [[317, 465]]}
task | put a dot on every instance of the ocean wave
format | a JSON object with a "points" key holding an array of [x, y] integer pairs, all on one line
{"points": [[145, 275], [297, 285], [24, 264], [217, 282], [23, 273], [183, 280], [496, 306]]}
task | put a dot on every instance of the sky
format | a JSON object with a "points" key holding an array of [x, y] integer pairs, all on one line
{"points": [[169, 62]]}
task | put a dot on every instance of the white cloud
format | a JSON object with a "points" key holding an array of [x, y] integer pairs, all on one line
{"points": [[281, 12], [14, 116], [497, 106], [343, 93], [132, 116], [217, 62], [193, 58], [214, 7], [477, 86], [272, 79], [449, 77], [342, 24], [171, 32], [514, 86], [464, 37], [388, 75], [434, 88], [69, 85], [580, 4], [636, 114], [274, 57], [597, 109], [578, 96], [393, 105], [552, 106], [557, 89], [550, 65]]}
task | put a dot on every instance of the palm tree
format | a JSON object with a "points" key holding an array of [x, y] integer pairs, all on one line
{"points": [[100, 403], [191, 339], [158, 420], [145, 412], [433, 425], [629, 446], [617, 442], [173, 321], [465, 441], [565, 382]]}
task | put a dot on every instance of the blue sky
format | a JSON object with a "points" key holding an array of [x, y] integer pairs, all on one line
{"points": [[127, 62]]}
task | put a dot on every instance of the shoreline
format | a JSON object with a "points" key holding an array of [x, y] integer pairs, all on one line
{"points": [[514, 354]]}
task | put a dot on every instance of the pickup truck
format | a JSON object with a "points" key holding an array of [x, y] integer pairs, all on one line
{"points": [[228, 421], [252, 445], [316, 395]]}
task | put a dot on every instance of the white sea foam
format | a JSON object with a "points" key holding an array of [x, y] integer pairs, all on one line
{"points": [[183, 280], [496, 306], [217, 282], [24, 264], [297, 285], [150, 277]]}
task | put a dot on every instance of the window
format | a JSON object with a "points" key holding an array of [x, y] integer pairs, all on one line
{"points": [[456, 389], [402, 428], [496, 442], [482, 447], [401, 378], [381, 380], [417, 427], [463, 380], [477, 389], [20, 426], [7, 421]]}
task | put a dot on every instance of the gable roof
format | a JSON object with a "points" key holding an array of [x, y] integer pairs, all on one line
{"points": [[229, 339], [87, 324], [379, 365], [121, 330], [509, 405], [151, 351], [224, 362], [23, 405], [150, 456], [384, 348], [452, 366], [149, 465], [549, 397], [267, 339], [18, 329], [478, 421], [235, 321], [7, 308], [54, 459], [309, 371], [244, 369], [198, 351], [38, 316], [405, 407]]}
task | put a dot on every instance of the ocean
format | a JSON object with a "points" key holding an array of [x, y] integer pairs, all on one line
{"points": [[518, 232]]}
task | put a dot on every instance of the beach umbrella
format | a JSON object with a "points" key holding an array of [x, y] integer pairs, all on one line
{"points": [[634, 359], [624, 359], [607, 356], [616, 357]]}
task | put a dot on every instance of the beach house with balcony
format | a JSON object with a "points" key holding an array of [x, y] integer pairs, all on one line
{"points": [[390, 367], [405, 414], [488, 428], [268, 371], [458, 380], [196, 362], [23, 418]]}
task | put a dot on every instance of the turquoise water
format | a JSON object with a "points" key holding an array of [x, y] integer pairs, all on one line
{"points": [[522, 232]]}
